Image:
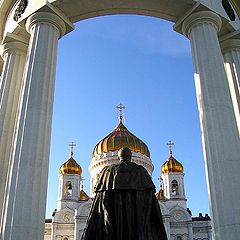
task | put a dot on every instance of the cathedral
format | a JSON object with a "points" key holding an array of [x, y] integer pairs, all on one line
{"points": [[73, 203]]}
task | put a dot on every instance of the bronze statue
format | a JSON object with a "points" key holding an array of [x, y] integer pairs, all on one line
{"points": [[125, 206]]}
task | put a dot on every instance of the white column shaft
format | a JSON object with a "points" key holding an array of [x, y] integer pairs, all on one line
{"points": [[14, 55], [231, 54], [24, 214], [166, 222], [53, 231], [190, 231], [76, 225], [220, 136]]}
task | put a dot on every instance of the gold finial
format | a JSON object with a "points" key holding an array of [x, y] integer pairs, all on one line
{"points": [[72, 145], [120, 108], [170, 144]]}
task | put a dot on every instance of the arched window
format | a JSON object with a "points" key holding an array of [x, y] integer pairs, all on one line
{"points": [[179, 238], [65, 238], [68, 189], [174, 187]]}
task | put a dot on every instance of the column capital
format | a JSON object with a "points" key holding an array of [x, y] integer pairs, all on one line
{"points": [[200, 18], [230, 44], [13, 47], [46, 17]]}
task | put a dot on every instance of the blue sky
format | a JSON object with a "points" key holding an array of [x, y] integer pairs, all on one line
{"points": [[138, 61]]}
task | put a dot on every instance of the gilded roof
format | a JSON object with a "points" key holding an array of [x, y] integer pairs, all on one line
{"points": [[83, 196], [70, 167], [118, 138], [172, 165], [160, 194]]}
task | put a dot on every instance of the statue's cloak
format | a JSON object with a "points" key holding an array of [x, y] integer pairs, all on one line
{"points": [[125, 206]]}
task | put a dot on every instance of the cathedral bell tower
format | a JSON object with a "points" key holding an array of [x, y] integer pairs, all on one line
{"points": [[70, 181], [172, 180]]}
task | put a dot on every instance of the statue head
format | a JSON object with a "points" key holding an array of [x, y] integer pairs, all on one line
{"points": [[124, 154]]}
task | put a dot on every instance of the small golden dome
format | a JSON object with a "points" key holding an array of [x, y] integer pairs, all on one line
{"points": [[160, 194], [118, 138], [83, 196], [70, 167], [172, 165]]}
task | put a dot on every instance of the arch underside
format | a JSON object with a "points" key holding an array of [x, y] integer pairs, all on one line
{"points": [[167, 9]]}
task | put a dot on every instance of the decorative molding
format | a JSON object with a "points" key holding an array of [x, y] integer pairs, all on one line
{"points": [[200, 18], [48, 18], [230, 44], [20, 9]]}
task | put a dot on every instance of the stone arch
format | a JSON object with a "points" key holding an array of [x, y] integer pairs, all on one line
{"points": [[178, 213], [61, 215], [57, 18]]}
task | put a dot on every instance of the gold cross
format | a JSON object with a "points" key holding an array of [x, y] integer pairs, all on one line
{"points": [[170, 144], [120, 108], [72, 145]]}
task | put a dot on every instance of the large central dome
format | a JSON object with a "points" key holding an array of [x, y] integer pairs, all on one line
{"points": [[118, 138]]}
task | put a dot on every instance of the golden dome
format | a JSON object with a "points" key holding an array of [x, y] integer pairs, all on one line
{"points": [[83, 196], [160, 194], [118, 138], [70, 167], [172, 165]]}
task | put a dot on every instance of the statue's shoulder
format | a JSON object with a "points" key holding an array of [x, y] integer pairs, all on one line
{"points": [[108, 172], [139, 168], [109, 168]]}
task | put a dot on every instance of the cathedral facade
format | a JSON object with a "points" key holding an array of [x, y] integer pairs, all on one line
{"points": [[73, 203]]}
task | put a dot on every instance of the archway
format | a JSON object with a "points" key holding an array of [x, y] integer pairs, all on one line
{"points": [[120, 56], [30, 149]]}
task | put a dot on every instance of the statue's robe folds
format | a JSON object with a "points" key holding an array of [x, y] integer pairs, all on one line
{"points": [[125, 206]]}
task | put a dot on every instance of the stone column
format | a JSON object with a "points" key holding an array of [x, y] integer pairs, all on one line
{"points": [[24, 213], [76, 225], [53, 230], [209, 232], [14, 55], [231, 55], [190, 231], [166, 222], [220, 138]]}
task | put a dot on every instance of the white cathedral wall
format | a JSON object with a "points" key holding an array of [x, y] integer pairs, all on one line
{"points": [[176, 221], [81, 215], [179, 222], [202, 230]]}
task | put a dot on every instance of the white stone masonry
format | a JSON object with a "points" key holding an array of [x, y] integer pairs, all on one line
{"points": [[221, 143], [27, 185]]}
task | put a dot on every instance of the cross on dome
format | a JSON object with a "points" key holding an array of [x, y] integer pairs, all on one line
{"points": [[72, 145], [120, 108], [81, 186], [160, 180], [170, 144]]}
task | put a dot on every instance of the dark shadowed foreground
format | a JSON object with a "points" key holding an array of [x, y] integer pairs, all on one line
{"points": [[125, 206]]}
